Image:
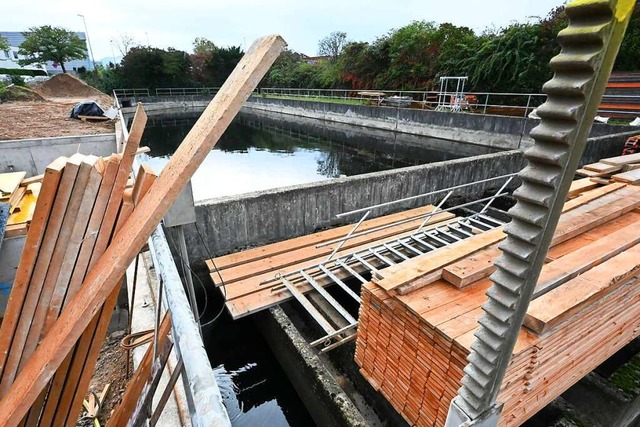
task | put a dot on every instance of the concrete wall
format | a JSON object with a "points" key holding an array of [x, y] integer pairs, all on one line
{"points": [[252, 219], [502, 132], [33, 155]]}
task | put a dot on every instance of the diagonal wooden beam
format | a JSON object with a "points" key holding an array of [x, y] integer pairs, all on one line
{"points": [[104, 276]]}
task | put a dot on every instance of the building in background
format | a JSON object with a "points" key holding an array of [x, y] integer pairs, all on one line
{"points": [[9, 59]]}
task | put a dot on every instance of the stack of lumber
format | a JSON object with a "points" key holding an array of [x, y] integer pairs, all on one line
{"points": [[21, 194], [413, 347], [617, 169], [82, 201]]}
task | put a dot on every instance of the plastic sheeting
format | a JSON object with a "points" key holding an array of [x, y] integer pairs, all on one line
{"points": [[86, 108]]}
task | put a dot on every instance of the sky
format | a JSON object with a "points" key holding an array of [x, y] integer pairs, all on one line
{"points": [[302, 23]]}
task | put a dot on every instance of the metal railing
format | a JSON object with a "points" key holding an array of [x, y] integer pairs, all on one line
{"points": [[184, 91], [130, 92]]}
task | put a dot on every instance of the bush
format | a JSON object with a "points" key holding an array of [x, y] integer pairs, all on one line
{"points": [[21, 72], [18, 81]]}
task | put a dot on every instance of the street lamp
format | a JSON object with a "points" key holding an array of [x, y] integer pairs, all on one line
{"points": [[86, 31]]}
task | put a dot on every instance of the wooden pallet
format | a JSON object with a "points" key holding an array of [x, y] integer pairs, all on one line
{"points": [[413, 348]]}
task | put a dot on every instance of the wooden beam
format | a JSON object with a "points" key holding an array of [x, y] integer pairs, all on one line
{"points": [[622, 160], [630, 177], [36, 281], [577, 262], [29, 255], [105, 275], [407, 271]]}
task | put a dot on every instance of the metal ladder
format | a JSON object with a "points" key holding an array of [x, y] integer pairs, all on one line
{"points": [[367, 262]]}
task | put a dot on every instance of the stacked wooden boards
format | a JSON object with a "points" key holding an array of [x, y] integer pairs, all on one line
{"points": [[245, 273], [83, 199], [413, 347], [21, 194], [624, 169]]}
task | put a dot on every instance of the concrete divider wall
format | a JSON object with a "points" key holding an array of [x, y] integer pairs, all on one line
{"points": [[503, 132], [253, 219], [33, 155]]}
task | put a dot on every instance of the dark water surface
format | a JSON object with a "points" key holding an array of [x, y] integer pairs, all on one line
{"points": [[260, 153]]}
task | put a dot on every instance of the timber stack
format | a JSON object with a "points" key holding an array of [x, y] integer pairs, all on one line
{"points": [[417, 322]]}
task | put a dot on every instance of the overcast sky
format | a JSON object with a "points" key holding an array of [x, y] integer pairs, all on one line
{"points": [[302, 23]]}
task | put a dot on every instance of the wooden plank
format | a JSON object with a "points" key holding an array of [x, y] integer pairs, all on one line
{"points": [[36, 281], [32, 180], [588, 196], [48, 294], [561, 303], [15, 230], [631, 177], [104, 277], [288, 259], [88, 348], [405, 272], [269, 250], [88, 243], [123, 412], [590, 174], [603, 167], [566, 268], [26, 266], [9, 182], [622, 160], [579, 186], [472, 268]]}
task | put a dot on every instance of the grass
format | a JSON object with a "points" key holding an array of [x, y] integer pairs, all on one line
{"points": [[349, 101], [627, 377]]}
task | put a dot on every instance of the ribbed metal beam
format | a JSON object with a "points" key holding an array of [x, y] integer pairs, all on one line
{"points": [[589, 47]]}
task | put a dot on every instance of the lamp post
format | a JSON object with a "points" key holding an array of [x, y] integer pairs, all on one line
{"points": [[86, 31]]}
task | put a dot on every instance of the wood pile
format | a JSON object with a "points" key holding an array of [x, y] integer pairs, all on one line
{"points": [[21, 194], [412, 348], [82, 200], [624, 169]]}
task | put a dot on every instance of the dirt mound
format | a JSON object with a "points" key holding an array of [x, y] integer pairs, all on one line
{"points": [[67, 86], [20, 93]]}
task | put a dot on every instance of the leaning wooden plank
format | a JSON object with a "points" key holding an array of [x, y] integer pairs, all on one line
{"points": [[48, 294], [61, 290], [561, 303], [79, 271], [137, 383], [603, 167], [630, 177], [571, 265], [34, 286], [105, 275], [622, 160], [87, 351], [401, 274], [28, 181], [580, 186], [9, 182], [26, 266]]}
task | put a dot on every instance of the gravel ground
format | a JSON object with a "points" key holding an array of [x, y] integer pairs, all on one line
{"points": [[39, 119]]}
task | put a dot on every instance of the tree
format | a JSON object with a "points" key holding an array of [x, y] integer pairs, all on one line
{"points": [[332, 45], [4, 44], [202, 45], [47, 43], [151, 67], [125, 42]]}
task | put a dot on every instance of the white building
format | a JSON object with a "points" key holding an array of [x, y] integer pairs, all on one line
{"points": [[9, 59]]}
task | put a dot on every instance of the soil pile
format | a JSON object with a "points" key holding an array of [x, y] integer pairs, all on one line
{"points": [[68, 86], [20, 93]]}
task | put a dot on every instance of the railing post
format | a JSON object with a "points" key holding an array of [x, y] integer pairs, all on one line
{"points": [[486, 102]]}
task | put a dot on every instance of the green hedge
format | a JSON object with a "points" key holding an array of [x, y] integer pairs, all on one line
{"points": [[21, 72]]}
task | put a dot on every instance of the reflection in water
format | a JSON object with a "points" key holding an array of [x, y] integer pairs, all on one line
{"points": [[258, 153]]}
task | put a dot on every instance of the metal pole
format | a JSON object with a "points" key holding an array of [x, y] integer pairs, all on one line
{"points": [[488, 205], [184, 255], [342, 242], [432, 213], [86, 31], [444, 190]]}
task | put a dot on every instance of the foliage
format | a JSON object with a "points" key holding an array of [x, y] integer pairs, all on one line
{"points": [[18, 81], [629, 55], [22, 72], [332, 45], [105, 79], [210, 64], [150, 67], [4, 44], [49, 43], [124, 43]]}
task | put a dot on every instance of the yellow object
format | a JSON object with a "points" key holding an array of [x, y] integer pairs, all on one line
{"points": [[624, 8], [24, 211]]}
